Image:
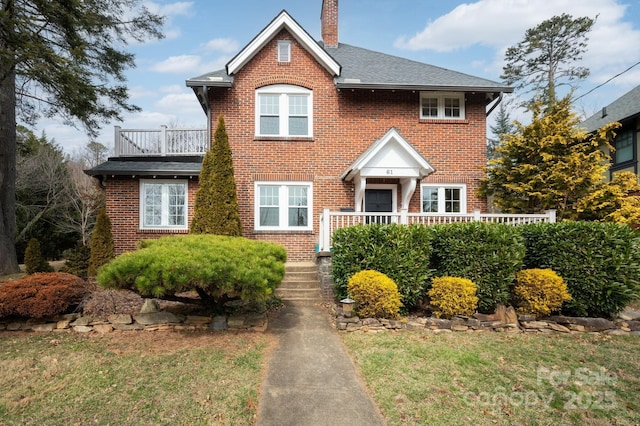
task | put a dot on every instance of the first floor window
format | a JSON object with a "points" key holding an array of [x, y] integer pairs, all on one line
{"points": [[444, 198], [163, 204], [283, 206]]}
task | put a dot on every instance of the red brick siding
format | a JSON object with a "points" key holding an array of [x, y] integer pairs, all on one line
{"points": [[345, 123]]}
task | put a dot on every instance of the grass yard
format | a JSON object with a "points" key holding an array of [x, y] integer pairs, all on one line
{"points": [[420, 378], [138, 378]]}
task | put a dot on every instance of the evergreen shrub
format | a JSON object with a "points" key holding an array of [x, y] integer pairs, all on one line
{"points": [[453, 296], [539, 292], [77, 261], [599, 262], [375, 294], [401, 252], [33, 260], [101, 244], [219, 268], [487, 254], [42, 295]]}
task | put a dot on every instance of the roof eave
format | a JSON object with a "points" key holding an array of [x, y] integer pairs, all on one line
{"points": [[422, 87]]}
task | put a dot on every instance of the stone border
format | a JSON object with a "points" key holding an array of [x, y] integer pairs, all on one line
{"points": [[505, 320], [154, 321]]}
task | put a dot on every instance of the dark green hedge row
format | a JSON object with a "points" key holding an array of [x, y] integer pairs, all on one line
{"points": [[599, 262]]}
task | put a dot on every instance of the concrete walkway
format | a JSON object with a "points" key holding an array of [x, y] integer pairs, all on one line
{"points": [[311, 379]]}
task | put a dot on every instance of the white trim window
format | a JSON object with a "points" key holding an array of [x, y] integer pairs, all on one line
{"points": [[442, 105], [284, 51], [443, 198], [284, 111], [163, 204], [283, 206]]}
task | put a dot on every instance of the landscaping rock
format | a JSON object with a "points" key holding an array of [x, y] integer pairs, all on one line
{"points": [[525, 317], [150, 306], [103, 328], [128, 327], [43, 327], [82, 328], [616, 332], [62, 324], [634, 325], [589, 324], [438, 323], [197, 320], [629, 314], [14, 326], [157, 318], [82, 321], [236, 322], [558, 327], [537, 325], [120, 319], [486, 317], [218, 323], [459, 327], [575, 327]]}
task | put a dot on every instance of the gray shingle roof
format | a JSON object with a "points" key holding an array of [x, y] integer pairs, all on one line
{"points": [[363, 68], [625, 107], [147, 167]]}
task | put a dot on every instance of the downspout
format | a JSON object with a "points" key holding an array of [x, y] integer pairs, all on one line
{"points": [[495, 104]]}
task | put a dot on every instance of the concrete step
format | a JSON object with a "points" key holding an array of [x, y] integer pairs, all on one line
{"points": [[300, 283]]}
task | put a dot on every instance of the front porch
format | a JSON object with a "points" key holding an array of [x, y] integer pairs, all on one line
{"points": [[331, 221]]}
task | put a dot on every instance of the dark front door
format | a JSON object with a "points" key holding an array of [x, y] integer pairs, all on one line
{"points": [[378, 200]]}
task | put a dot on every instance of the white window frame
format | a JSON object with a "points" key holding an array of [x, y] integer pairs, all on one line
{"points": [[441, 187], [284, 91], [441, 98], [284, 50], [283, 206], [165, 204]]}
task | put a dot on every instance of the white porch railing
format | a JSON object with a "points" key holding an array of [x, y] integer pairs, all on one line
{"points": [[330, 221], [160, 142]]}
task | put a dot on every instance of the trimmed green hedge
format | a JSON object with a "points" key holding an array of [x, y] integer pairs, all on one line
{"points": [[400, 252], [488, 254], [600, 263], [219, 268]]}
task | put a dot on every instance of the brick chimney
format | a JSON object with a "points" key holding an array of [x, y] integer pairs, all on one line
{"points": [[329, 23]]}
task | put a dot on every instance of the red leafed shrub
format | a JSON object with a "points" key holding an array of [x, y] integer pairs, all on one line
{"points": [[41, 295]]}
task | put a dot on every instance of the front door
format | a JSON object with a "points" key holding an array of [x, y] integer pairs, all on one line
{"points": [[378, 200]]}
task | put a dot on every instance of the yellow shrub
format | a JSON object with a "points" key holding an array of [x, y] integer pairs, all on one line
{"points": [[453, 296], [539, 291], [376, 295]]}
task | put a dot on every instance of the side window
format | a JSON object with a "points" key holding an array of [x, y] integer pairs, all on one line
{"points": [[283, 206], [445, 198], [163, 204], [442, 105]]}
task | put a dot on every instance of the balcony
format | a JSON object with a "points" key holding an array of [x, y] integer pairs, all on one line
{"points": [[331, 221], [160, 142]]}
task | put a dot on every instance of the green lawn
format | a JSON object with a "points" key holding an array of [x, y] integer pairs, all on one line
{"points": [[139, 378], [420, 378]]}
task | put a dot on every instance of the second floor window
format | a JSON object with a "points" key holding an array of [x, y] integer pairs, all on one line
{"points": [[284, 111], [442, 105]]}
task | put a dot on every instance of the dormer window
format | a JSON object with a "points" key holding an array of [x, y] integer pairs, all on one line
{"points": [[439, 105], [284, 51]]}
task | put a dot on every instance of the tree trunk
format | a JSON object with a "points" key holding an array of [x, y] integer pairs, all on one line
{"points": [[8, 259]]}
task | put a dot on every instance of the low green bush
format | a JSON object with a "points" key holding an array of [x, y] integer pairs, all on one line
{"points": [[487, 254], [453, 296], [219, 268], [600, 263], [401, 252], [34, 262], [375, 294], [539, 292]]}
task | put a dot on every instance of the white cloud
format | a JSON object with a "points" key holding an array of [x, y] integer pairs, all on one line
{"points": [[224, 45], [171, 9], [177, 64]]}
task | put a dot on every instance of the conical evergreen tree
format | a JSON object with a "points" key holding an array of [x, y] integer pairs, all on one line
{"points": [[102, 246], [33, 259], [216, 205]]}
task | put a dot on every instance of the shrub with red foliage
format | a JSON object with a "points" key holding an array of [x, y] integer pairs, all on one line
{"points": [[41, 295]]}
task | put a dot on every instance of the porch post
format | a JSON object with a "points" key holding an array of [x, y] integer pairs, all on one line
{"points": [[163, 140], [324, 244], [117, 142], [360, 184], [408, 188], [552, 215]]}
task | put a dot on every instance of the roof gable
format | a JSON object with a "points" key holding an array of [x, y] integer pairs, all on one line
{"points": [[625, 107], [283, 21], [389, 153]]}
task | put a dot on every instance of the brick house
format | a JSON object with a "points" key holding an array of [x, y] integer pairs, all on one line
{"points": [[314, 127], [626, 111]]}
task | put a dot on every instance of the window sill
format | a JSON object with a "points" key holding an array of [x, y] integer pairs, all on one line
{"points": [[283, 231], [283, 138], [444, 120], [163, 231]]}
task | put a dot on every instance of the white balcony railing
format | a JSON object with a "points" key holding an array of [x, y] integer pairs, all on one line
{"points": [[160, 142], [330, 221]]}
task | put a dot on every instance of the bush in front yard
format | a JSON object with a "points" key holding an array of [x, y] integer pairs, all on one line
{"points": [[401, 252], [219, 268], [453, 296], [600, 263], [33, 260], [539, 292], [41, 295], [487, 254], [101, 244], [375, 294]]}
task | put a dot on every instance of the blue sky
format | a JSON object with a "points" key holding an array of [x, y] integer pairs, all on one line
{"points": [[470, 37]]}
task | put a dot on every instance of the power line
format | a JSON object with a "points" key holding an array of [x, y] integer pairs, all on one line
{"points": [[602, 84]]}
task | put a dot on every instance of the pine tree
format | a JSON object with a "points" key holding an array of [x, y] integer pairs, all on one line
{"points": [[216, 205], [33, 259], [102, 246], [502, 126], [548, 164]]}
